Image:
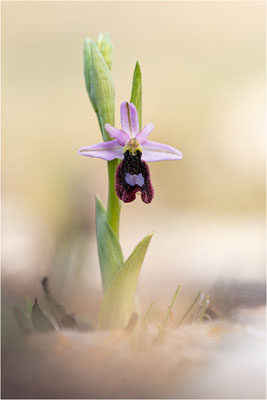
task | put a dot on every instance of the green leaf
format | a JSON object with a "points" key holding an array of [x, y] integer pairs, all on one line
{"points": [[136, 96], [87, 66], [109, 249], [118, 302]]}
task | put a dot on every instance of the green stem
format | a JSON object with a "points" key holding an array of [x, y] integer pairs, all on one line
{"points": [[114, 206]]}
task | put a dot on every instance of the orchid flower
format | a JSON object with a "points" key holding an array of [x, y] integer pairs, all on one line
{"points": [[132, 146]]}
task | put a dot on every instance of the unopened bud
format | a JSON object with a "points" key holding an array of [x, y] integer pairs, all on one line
{"points": [[99, 85], [106, 47]]}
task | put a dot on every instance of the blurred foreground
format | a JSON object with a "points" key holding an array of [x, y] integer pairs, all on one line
{"points": [[220, 358]]}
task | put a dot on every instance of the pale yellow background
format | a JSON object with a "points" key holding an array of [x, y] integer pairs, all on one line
{"points": [[203, 66]]}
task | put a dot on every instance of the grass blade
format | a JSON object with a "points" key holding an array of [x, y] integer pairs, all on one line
{"points": [[162, 328]]}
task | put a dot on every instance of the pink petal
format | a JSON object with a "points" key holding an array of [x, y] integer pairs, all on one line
{"points": [[121, 136], [105, 150], [154, 151], [143, 134], [129, 118]]}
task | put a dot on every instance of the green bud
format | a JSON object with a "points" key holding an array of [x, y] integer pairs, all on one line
{"points": [[106, 47], [136, 95], [99, 85]]}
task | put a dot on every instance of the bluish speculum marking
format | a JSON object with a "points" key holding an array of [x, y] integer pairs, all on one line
{"points": [[135, 179]]}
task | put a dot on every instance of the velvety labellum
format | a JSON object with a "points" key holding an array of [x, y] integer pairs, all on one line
{"points": [[132, 176]]}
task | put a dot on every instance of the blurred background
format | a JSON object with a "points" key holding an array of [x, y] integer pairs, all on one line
{"points": [[203, 68]]}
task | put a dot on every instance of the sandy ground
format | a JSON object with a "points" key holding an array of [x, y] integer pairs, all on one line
{"points": [[210, 360], [222, 358]]}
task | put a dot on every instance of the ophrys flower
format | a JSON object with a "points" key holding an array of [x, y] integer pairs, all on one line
{"points": [[132, 146]]}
